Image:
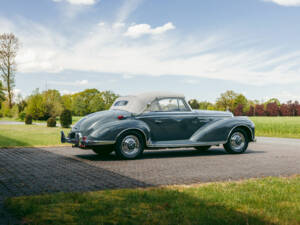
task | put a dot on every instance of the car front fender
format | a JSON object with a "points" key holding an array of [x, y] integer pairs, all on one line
{"points": [[219, 130]]}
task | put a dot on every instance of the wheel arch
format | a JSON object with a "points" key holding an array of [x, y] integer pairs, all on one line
{"points": [[244, 128], [140, 131]]}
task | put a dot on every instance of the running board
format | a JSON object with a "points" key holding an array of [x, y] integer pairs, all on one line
{"points": [[181, 143]]}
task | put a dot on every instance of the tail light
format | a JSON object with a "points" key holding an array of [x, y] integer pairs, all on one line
{"points": [[121, 117]]}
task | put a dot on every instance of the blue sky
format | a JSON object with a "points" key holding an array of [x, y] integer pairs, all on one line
{"points": [[199, 48]]}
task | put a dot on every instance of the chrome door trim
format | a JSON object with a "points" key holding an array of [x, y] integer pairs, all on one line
{"points": [[151, 145]]}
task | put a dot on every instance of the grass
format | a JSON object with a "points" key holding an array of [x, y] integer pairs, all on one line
{"points": [[285, 127], [29, 135], [75, 119], [254, 201]]}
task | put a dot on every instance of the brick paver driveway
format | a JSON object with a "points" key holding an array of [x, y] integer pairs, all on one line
{"points": [[33, 171]]}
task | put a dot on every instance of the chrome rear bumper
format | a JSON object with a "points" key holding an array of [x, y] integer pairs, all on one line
{"points": [[82, 142]]}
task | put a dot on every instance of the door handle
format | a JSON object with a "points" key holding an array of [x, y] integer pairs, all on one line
{"points": [[203, 120], [158, 121]]}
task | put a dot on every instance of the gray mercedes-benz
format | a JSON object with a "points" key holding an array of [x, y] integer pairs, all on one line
{"points": [[158, 120]]}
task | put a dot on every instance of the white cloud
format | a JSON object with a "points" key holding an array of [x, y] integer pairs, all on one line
{"points": [[127, 76], [285, 2], [104, 49], [127, 8], [118, 25], [191, 81], [78, 2], [76, 83], [283, 96], [81, 82], [67, 92], [138, 30]]}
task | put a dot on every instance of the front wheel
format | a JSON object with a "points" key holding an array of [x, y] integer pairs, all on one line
{"points": [[237, 142], [130, 145]]}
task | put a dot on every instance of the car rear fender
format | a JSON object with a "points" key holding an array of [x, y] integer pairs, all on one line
{"points": [[111, 131]]}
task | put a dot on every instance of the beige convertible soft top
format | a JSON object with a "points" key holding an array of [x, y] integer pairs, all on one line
{"points": [[137, 103]]}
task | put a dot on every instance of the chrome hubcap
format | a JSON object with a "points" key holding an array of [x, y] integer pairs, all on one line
{"points": [[237, 141], [130, 145]]}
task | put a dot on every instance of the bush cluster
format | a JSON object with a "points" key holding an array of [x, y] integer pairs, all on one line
{"points": [[66, 118], [51, 122], [22, 116], [28, 119]]}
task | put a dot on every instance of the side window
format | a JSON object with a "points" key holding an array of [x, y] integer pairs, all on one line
{"points": [[121, 103], [182, 106], [154, 107], [168, 104]]}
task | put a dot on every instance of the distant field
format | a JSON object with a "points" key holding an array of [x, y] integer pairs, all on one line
{"points": [[256, 201], [286, 127], [29, 135]]}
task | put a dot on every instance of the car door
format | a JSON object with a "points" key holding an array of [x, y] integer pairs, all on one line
{"points": [[170, 119]]}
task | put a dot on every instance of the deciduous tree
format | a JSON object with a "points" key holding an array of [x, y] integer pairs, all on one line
{"points": [[194, 104], [285, 110], [259, 110], [227, 101], [2, 95], [272, 109], [205, 105], [9, 45], [238, 111]]}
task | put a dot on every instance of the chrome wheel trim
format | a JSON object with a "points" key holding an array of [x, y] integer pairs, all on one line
{"points": [[130, 146], [237, 141]]}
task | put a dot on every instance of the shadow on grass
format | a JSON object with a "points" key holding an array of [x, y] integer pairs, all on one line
{"points": [[154, 206], [166, 153], [6, 142]]}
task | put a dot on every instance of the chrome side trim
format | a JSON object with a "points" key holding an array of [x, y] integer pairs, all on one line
{"points": [[151, 145], [93, 143], [178, 114]]}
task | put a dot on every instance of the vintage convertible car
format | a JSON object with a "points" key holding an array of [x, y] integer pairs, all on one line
{"points": [[158, 120]]}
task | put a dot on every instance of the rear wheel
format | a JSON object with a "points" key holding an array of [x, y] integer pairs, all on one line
{"points": [[237, 142], [203, 148], [130, 145], [103, 150]]}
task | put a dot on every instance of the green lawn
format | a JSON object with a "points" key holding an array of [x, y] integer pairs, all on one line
{"points": [[74, 119], [29, 135], [286, 127], [254, 201]]}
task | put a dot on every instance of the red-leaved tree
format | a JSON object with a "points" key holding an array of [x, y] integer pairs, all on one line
{"points": [[297, 110], [285, 110], [272, 109], [259, 110], [251, 111], [238, 111]]}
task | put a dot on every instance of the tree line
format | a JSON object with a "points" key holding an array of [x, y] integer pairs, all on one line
{"points": [[239, 105], [50, 103]]}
